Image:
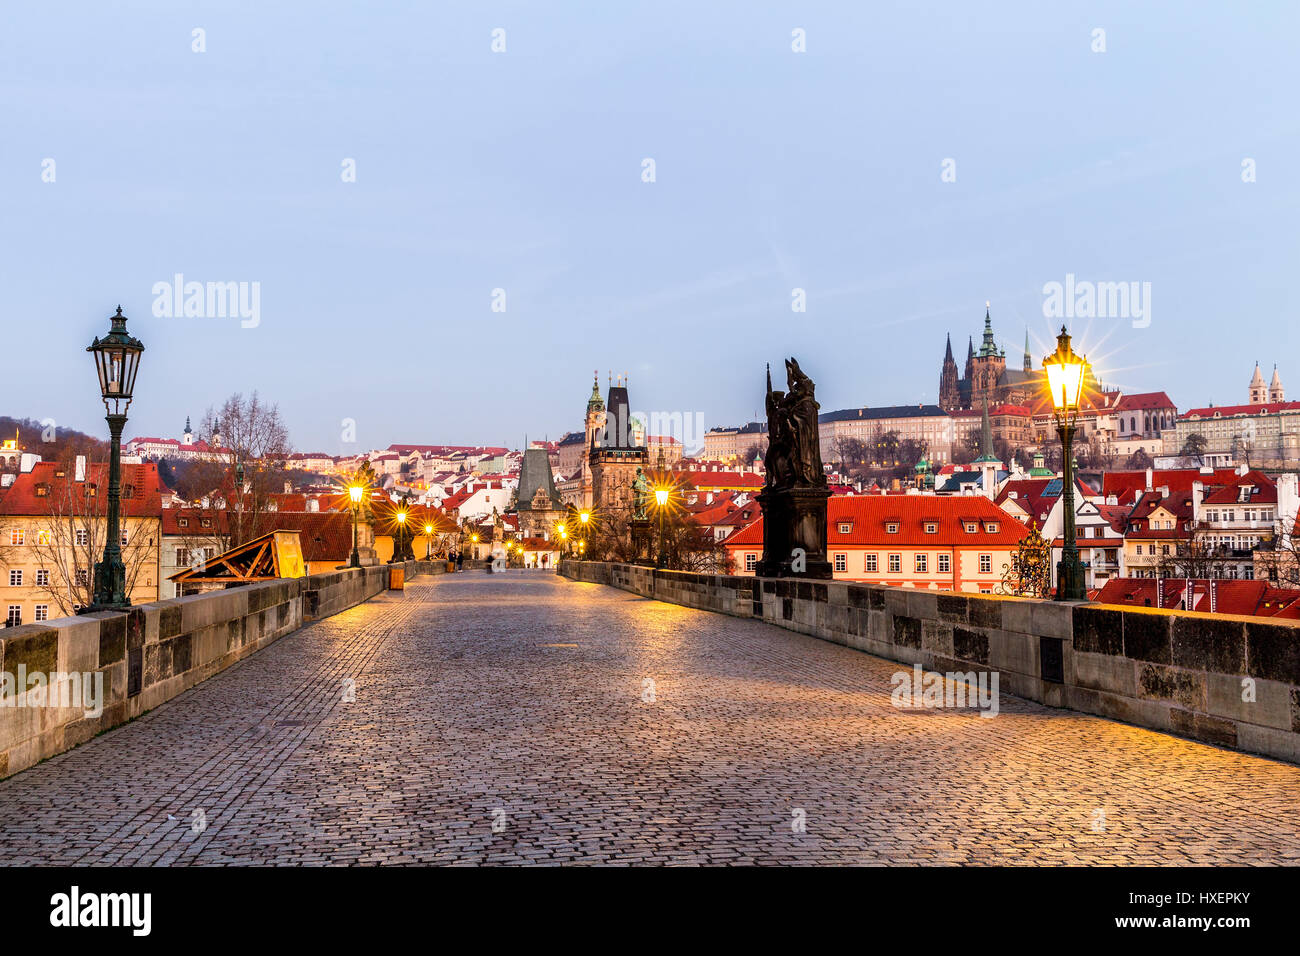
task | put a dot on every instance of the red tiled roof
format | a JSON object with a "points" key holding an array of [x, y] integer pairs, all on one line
{"points": [[1264, 490], [441, 450], [21, 498], [718, 479], [325, 535], [1142, 401], [1255, 598], [1175, 479], [869, 514], [1227, 411], [194, 518]]}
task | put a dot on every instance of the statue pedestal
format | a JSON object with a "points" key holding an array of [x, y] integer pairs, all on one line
{"points": [[794, 521], [643, 539]]}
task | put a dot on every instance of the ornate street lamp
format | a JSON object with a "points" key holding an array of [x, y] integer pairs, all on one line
{"points": [[355, 492], [399, 539], [117, 359], [661, 499], [585, 518], [428, 542], [1065, 377]]}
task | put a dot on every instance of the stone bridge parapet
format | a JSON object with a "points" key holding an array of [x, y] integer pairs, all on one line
{"points": [[153, 652], [1223, 679]]}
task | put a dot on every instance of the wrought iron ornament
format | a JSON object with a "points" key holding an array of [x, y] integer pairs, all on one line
{"points": [[1030, 572]]}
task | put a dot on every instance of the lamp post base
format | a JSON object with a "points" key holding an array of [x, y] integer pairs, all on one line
{"points": [[110, 587], [1069, 579]]}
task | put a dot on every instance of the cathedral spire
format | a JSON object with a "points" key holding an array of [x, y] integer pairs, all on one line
{"points": [[947, 353], [986, 436], [1029, 362]]}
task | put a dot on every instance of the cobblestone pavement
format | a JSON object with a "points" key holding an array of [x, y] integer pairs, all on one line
{"points": [[508, 719]]}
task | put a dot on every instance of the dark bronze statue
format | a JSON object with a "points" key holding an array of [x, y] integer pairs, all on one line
{"points": [[795, 491]]}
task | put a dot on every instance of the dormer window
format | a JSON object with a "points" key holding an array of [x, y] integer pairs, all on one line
{"points": [[971, 527], [931, 527], [845, 527], [183, 522], [991, 527], [891, 527]]}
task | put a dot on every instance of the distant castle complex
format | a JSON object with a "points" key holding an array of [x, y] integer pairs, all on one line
{"points": [[986, 375]]}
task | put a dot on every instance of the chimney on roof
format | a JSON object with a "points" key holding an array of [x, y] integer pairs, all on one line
{"points": [[79, 472], [1148, 479], [7, 479], [1198, 495], [28, 462]]}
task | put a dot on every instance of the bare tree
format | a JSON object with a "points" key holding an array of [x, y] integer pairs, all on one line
{"points": [[247, 469], [1192, 554], [71, 531]]}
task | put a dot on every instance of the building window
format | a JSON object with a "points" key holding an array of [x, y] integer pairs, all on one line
{"points": [[845, 527], [17, 537], [986, 564], [183, 522], [841, 562], [922, 563], [82, 577], [81, 536], [931, 527], [41, 612], [751, 561], [971, 527], [42, 538], [991, 527], [945, 564], [892, 527], [895, 563], [123, 536], [870, 565], [42, 578], [15, 579], [15, 616]]}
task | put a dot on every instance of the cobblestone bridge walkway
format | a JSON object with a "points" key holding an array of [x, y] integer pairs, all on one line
{"points": [[509, 718]]}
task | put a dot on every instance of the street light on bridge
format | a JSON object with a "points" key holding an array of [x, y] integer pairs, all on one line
{"points": [[661, 500], [117, 360], [355, 491], [1066, 373]]}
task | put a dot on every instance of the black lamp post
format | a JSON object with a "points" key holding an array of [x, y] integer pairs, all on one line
{"points": [[117, 359], [661, 499], [1065, 376], [354, 492]]}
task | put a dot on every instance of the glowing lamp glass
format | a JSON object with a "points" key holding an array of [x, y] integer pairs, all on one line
{"points": [[1065, 374]]}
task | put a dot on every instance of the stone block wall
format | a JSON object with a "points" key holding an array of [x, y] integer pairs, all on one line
{"points": [[153, 652], [1222, 679]]}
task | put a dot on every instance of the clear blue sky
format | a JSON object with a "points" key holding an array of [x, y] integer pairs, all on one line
{"points": [[522, 171]]}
